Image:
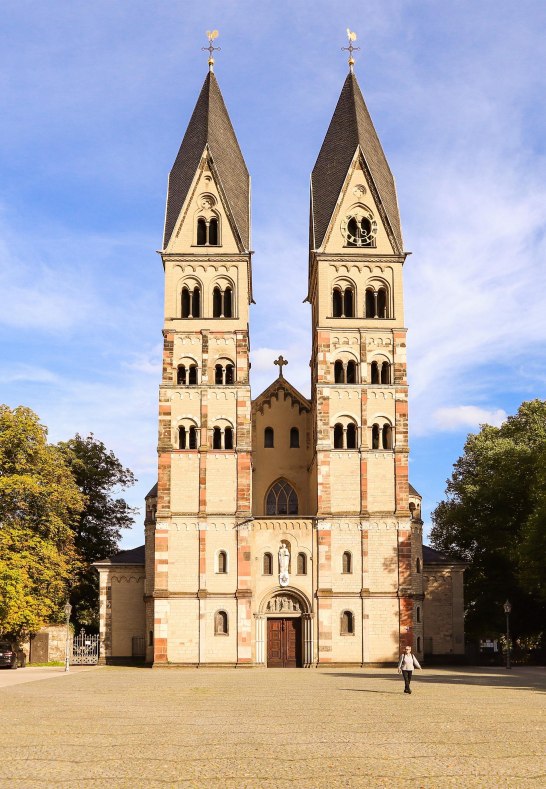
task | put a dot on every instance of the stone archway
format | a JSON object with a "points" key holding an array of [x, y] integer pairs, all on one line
{"points": [[284, 633]]}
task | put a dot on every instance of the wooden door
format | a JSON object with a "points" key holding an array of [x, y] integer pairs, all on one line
{"points": [[284, 642]]}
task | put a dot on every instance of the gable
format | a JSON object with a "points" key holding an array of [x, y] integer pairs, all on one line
{"points": [[357, 201], [205, 199]]}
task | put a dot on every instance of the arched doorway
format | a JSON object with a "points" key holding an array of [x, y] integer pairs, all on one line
{"points": [[283, 630]]}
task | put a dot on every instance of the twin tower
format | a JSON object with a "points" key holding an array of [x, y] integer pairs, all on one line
{"points": [[282, 531]]}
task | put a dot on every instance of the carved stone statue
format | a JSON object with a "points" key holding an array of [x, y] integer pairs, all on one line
{"points": [[284, 561]]}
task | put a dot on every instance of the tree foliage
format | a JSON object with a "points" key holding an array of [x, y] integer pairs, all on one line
{"points": [[494, 518], [100, 477], [39, 506]]}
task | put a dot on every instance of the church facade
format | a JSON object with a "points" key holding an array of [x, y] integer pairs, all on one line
{"points": [[283, 530]]}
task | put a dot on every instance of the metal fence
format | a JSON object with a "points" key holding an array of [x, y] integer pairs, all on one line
{"points": [[85, 649]]}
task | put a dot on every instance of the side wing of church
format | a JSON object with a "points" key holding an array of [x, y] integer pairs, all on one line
{"points": [[283, 531]]}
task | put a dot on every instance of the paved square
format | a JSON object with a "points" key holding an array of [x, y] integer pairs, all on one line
{"points": [[305, 728]]}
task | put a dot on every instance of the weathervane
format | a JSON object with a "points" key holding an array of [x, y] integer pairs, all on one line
{"points": [[212, 35], [281, 362], [350, 49]]}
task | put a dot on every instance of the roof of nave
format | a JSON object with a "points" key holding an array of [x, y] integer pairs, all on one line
{"points": [[432, 556], [273, 391], [210, 125], [131, 556], [412, 492], [351, 126], [152, 493]]}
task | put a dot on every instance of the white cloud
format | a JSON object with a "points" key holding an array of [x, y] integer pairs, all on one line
{"points": [[26, 373], [466, 416]]}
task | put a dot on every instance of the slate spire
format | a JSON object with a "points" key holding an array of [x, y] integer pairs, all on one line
{"points": [[351, 126], [210, 131]]}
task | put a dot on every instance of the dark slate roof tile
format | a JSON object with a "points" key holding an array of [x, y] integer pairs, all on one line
{"points": [[350, 126], [210, 124]]}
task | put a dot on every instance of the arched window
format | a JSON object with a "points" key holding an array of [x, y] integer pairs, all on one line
{"points": [[370, 303], [191, 302], [343, 302], [294, 438], [302, 564], [281, 499], [268, 564], [386, 435], [216, 302], [187, 437], [374, 373], [351, 372], [377, 302], [375, 437], [385, 373], [337, 303], [347, 562], [412, 511], [345, 436], [221, 623], [348, 303], [418, 643], [222, 302], [347, 623], [213, 232], [181, 375], [224, 373], [192, 375], [207, 232], [222, 437], [381, 303], [186, 303], [228, 303], [222, 562], [418, 613], [418, 566], [269, 438], [201, 232], [339, 372]]}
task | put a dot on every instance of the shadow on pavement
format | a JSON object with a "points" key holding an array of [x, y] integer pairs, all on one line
{"points": [[532, 678]]}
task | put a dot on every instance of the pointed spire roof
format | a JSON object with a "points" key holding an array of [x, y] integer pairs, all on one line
{"points": [[351, 126], [210, 126]]}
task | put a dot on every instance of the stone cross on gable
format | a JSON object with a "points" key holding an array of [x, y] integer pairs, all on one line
{"points": [[281, 361]]}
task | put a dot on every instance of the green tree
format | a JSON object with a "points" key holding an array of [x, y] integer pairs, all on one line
{"points": [[100, 477], [39, 505], [494, 518]]}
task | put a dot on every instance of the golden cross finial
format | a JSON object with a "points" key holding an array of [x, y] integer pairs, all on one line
{"points": [[212, 35], [281, 361], [350, 49]]}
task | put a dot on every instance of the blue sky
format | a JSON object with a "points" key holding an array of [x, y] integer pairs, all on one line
{"points": [[96, 98]]}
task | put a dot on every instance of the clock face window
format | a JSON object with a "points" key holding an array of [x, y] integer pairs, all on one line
{"points": [[359, 229]]}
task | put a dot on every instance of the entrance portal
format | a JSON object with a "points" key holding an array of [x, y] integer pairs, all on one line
{"points": [[284, 648]]}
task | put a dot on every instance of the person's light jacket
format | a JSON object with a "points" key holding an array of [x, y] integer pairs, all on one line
{"points": [[411, 657]]}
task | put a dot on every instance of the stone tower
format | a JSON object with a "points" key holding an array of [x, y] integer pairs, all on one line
{"points": [[360, 393], [204, 452]]}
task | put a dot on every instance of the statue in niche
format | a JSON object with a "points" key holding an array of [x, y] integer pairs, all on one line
{"points": [[284, 563]]}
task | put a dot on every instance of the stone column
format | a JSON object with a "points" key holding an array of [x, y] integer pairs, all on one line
{"points": [[260, 638], [307, 640]]}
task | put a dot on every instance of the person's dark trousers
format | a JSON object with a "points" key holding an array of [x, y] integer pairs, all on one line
{"points": [[407, 680]]}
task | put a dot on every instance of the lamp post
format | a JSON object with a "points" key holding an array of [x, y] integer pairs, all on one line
{"points": [[67, 611], [507, 608]]}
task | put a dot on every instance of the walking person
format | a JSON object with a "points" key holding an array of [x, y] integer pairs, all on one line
{"points": [[407, 663]]}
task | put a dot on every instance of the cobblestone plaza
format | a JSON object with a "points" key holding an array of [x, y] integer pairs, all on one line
{"points": [[131, 727]]}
